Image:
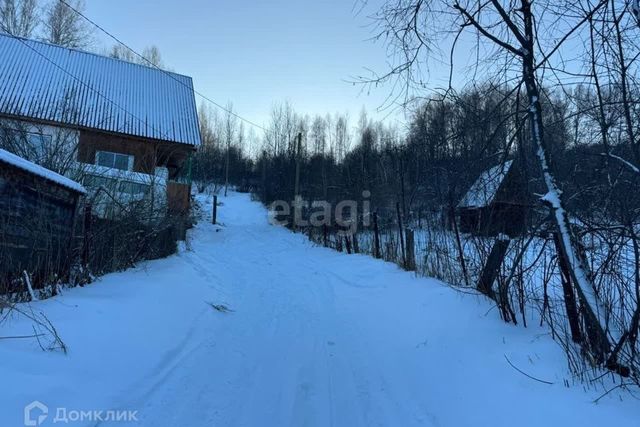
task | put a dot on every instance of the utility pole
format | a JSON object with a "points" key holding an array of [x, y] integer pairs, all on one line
{"points": [[264, 176], [296, 190], [226, 179], [296, 186]]}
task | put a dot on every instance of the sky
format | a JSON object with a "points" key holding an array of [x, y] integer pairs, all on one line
{"points": [[257, 53]]}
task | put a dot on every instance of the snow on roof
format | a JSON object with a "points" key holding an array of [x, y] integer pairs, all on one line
{"points": [[27, 166], [46, 82], [484, 190]]}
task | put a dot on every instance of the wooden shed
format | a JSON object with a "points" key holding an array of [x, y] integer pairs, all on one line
{"points": [[496, 204], [37, 217]]}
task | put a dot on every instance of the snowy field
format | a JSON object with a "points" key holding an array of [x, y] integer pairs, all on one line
{"points": [[313, 338]]}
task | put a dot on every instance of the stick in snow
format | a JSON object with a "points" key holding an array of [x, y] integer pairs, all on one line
{"points": [[29, 287], [220, 307], [524, 373]]}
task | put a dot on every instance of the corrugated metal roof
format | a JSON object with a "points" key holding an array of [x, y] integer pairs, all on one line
{"points": [[55, 84], [484, 190]]}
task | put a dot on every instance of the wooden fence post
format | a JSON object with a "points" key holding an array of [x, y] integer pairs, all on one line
{"points": [[491, 268], [347, 243], [296, 182], [325, 237], [463, 263], [215, 210], [264, 176], [400, 227], [86, 244], [410, 263], [376, 236]]}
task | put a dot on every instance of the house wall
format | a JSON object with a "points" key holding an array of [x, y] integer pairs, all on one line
{"points": [[65, 147], [148, 154], [178, 198], [144, 152], [493, 220], [55, 151]]}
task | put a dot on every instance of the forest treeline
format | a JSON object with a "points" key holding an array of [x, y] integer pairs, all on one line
{"points": [[428, 164]]}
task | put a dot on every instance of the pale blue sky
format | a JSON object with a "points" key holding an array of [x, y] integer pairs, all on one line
{"points": [[254, 53]]}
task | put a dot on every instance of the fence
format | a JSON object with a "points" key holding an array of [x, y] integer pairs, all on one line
{"points": [[99, 246], [115, 245]]}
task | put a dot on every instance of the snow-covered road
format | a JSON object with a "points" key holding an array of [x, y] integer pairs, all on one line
{"points": [[314, 338]]}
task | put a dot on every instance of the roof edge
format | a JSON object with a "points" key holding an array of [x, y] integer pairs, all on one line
{"points": [[78, 50]]}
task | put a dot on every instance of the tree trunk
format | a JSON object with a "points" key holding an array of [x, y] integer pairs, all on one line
{"points": [[596, 320]]}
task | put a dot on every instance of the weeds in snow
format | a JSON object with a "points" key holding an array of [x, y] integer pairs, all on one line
{"points": [[44, 332]]}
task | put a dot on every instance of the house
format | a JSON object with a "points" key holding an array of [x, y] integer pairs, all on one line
{"points": [[496, 204], [38, 210], [120, 128]]}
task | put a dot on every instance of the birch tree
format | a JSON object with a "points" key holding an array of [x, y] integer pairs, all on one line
{"points": [[230, 133], [150, 55], [19, 17], [64, 26]]}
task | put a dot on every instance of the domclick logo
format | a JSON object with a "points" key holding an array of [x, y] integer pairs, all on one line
{"points": [[35, 414]]}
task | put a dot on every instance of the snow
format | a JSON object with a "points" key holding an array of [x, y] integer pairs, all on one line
{"points": [[27, 166], [485, 188], [314, 337]]}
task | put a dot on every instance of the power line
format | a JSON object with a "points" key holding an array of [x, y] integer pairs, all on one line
{"points": [[117, 40]]}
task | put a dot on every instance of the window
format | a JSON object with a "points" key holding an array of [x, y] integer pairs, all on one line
{"points": [[113, 185], [39, 142], [114, 160], [31, 145], [133, 188], [95, 182]]}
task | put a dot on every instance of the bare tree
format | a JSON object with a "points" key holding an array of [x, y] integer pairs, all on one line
{"points": [[19, 17], [119, 51], [341, 136], [150, 55], [319, 135], [284, 124], [230, 132], [64, 26]]}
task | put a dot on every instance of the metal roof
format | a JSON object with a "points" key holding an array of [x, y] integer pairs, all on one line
{"points": [[484, 190], [45, 82], [27, 166]]}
